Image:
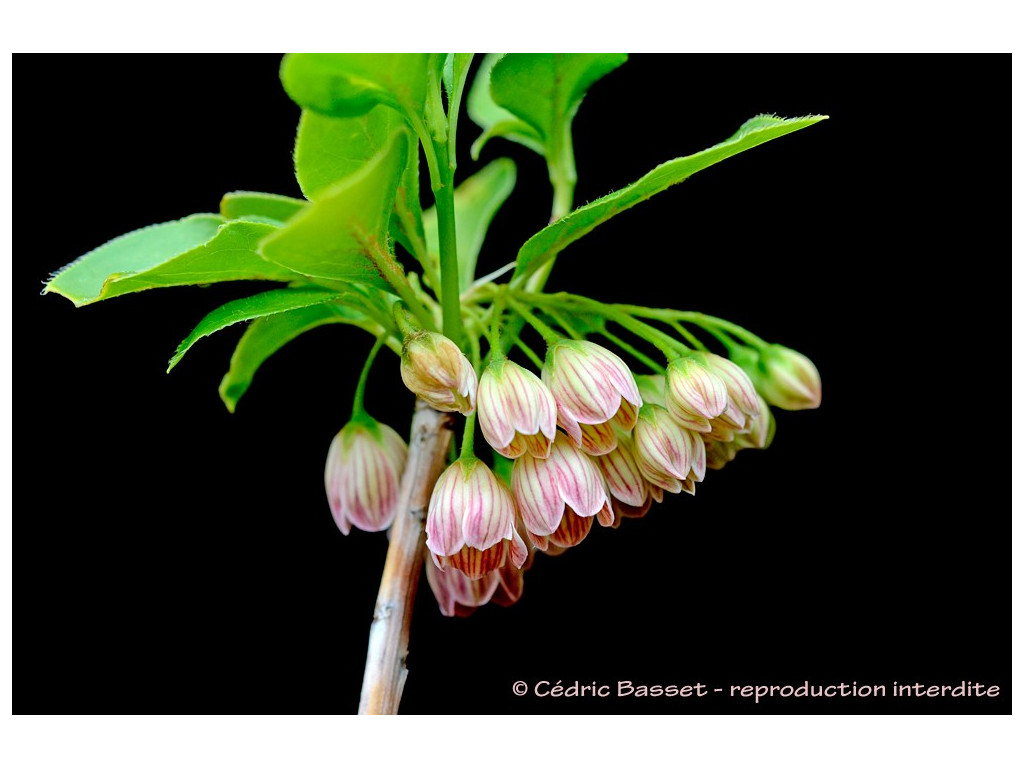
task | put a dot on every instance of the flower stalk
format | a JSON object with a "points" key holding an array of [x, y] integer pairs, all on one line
{"points": [[388, 647]]}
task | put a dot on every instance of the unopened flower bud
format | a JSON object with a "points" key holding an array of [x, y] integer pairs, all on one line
{"points": [[471, 521], [517, 412], [594, 390], [435, 369], [363, 473], [788, 379]]}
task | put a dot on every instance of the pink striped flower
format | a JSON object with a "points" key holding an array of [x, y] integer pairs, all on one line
{"points": [[698, 458], [362, 475], [663, 449], [695, 394], [456, 593], [594, 390], [558, 497], [435, 369], [628, 490], [762, 429], [459, 595], [740, 389], [516, 410], [471, 521]]}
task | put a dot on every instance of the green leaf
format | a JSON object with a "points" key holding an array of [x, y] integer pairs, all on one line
{"points": [[551, 240], [334, 238], [266, 335], [351, 84], [330, 149], [196, 250], [544, 90], [496, 120], [251, 307], [477, 199], [237, 205]]}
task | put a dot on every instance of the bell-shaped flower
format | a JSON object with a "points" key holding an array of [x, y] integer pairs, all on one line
{"points": [[459, 595], [511, 580], [363, 473], [435, 369], [628, 490], [695, 394], [698, 458], [762, 430], [719, 454], [594, 390], [738, 386], [471, 521], [790, 380], [517, 412], [456, 593], [558, 497], [663, 449], [731, 423]]}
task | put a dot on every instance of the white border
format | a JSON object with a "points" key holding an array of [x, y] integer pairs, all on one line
{"points": [[655, 740]]}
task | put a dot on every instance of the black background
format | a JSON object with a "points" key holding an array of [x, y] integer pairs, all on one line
{"points": [[173, 557]]}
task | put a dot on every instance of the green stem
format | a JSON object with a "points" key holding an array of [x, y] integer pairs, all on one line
{"points": [[686, 334], [368, 308], [541, 327], [451, 310], [633, 351], [497, 310], [436, 149], [669, 346], [727, 341], [467, 437], [562, 173], [566, 326], [564, 186], [428, 145], [528, 352], [357, 401], [707, 322], [392, 272], [736, 330]]}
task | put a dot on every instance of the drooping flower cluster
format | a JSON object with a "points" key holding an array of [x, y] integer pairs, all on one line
{"points": [[588, 439]]}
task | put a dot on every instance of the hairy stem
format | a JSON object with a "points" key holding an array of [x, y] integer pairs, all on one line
{"points": [[388, 648]]}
